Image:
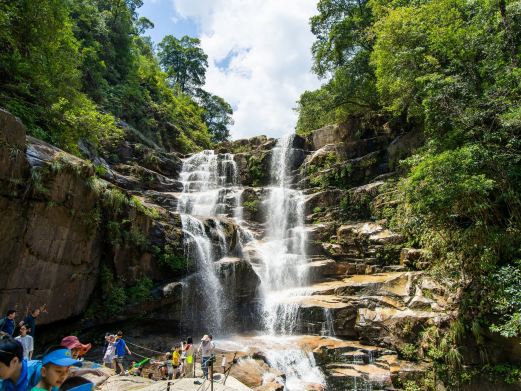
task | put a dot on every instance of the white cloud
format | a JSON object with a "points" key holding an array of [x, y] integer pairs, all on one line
{"points": [[268, 46]]}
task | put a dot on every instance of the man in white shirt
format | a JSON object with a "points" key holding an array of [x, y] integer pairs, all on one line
{"points": [[207, 348], [26, 341]]}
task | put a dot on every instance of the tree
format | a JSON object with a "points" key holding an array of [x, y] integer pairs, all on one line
{"points": [[341, 52], [184, 62], [217, 115]]}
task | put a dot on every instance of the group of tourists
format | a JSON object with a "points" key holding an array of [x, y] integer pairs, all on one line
{"points": [[177, 363], [59, 368], [27, 328]]}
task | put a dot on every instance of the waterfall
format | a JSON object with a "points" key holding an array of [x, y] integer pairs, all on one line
{"points": [[209, 183], [282, 271], [211, 190], [328, 328]]}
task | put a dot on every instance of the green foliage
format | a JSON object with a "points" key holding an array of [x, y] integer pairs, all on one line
{"points": [[140, 291], [408, 352], [251, 206], [511, 374], [217, 115], [451, 69], [40, 76], [506, 299], [411, 385], [114, 200], [168, 257], [184, 62], [73, 69], [342, 50], [150, 212], [101, 170], [255, 170], [113, 292]]}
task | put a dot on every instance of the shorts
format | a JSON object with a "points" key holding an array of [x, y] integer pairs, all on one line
{"points": [[118, 359]]}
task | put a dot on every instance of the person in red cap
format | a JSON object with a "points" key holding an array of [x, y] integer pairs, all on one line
{"points": [[76, 347], [78, 350]]}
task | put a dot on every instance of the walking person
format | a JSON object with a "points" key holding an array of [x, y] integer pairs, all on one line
{"points": [[110, 352], [7, 323], [26, 341], [206, 348], [121, 350]]}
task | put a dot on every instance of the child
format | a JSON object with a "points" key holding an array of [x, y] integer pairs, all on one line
{"points": [[26, 341], [169, 364], [55, 368], [16, 373], [110, 353], [121, 350], [176, 360]]}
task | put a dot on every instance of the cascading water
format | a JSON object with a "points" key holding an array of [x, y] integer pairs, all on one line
{"points": [[211, 191], [209, 181], [282, 272]]}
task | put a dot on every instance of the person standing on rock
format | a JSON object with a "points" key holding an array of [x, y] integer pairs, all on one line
{"points": [[110, 352], [7, 324], [121, 350], [206, 348], [26, 341], [30, 321]]}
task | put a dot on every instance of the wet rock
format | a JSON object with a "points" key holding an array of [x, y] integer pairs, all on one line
{"points": [[321, 267], [242, 145], [412, 257], [322, 201], [238, 277], [152, 158], [148, 179], [13, 162]]}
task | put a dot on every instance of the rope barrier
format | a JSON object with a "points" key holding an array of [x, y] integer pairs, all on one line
{"points": [[142, 347]]}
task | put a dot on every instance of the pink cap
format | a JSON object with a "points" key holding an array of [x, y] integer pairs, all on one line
{"points": [[72, 342]]}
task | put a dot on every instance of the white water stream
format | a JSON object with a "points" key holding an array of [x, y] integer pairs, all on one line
{"points": [[211, 189], [209, 181]]}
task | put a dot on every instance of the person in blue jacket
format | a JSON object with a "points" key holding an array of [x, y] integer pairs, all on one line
{"points": [[16, 373], [7, 324]]}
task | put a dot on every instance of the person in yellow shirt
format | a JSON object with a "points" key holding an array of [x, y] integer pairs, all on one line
{"points": [[176, 360]]}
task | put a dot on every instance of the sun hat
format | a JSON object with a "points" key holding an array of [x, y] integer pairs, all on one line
{"points": [[206, 338], [72, 342], [61, 358]]}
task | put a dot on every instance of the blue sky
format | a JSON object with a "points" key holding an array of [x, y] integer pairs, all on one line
{"points": [[259, 54], [166, 20]]}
